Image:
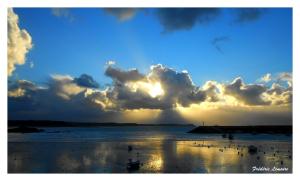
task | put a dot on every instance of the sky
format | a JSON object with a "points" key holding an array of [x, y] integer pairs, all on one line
{"points": [[219, 65]]}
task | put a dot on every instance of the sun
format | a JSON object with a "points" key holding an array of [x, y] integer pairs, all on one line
{"points": [[155, 90]]}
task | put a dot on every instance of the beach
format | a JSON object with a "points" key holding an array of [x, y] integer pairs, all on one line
{"points": [[164, 152]]}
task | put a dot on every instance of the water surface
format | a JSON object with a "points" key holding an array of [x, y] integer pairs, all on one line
{"points": [[160, 150]]}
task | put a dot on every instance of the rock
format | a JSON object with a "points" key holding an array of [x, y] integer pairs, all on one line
{"points": [[252, 149], [25, 129], [129, 148]]}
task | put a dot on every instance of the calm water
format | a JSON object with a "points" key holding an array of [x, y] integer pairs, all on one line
{"points": [[160, 150], [129, 133]]}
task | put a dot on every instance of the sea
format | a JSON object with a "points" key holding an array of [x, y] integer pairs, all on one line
{"points": [[159, 149]]}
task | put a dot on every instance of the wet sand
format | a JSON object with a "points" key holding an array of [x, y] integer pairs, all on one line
{"points": [[163, 156]]}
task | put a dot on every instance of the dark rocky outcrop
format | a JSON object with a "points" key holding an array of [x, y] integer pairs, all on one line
{"points": [[265, 129], [24, 129]]}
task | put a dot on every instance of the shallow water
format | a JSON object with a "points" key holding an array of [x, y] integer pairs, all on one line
{"points": [[168, 150]]}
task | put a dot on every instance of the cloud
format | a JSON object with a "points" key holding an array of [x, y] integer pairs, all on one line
{"points": [[161, 88], [212, 91], [285, 77], [219, 40], [250, 94], [63, 13], [122, 14], [110, 63], [178, 86], [31, 64], [244, 15], [266, 78], [279, 95], [86, 81], [123, 76], [281, 78], [159, 95], [258, 94], [64, 86], [173, 19], [20, 88], [60, 99], [19, 42]]}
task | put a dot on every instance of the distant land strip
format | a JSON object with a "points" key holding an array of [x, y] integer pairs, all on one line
{"points": [[257, 129], [49, 123]]}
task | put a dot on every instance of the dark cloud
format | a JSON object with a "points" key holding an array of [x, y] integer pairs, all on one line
{"points": [[22, 95], [173, 19], [178, 86], [122, 14], [86, 81], [61, 99], [21, 84], [250, 94], [217, 41], [244, 15], [124, 98], [123, 76]]}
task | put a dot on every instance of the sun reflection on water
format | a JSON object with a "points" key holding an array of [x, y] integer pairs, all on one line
{"points": [[162, 156]]}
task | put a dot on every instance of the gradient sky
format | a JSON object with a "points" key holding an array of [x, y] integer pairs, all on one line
{"points": [[85, 39], [221, 65]]}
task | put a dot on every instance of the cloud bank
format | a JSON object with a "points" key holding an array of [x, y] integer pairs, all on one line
{"points": [[19, 42], [159, 95]]}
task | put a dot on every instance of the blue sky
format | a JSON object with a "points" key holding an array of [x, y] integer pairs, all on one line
{"points": [[91, 37]]}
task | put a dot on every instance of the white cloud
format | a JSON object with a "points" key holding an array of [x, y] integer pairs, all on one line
{"points": [[31, 64], [285, 77], [110, 63], [18, 44], [62, 12], [266, 78]]}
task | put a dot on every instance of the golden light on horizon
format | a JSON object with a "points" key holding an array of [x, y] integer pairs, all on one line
{"points": [[141, 115]]}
